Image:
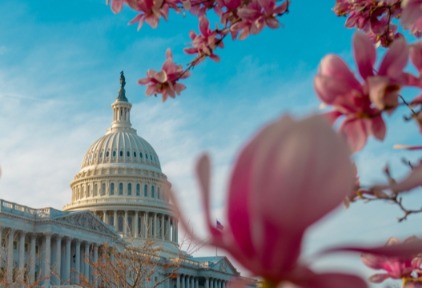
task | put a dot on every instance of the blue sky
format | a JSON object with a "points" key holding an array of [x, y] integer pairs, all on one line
{"points": [[59, 73]]}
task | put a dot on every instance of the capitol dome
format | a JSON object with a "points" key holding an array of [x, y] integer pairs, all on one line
{"points": [[121, 181]]}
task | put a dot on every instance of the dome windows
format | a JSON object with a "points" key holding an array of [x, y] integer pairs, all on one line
{"points": [[121, 153], [145, 190], [112, 189], [138, 189], [129, 189], [120, 188]]}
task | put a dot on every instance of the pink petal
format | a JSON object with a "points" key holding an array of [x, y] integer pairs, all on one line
{"points": [[402, 250], [365, 54], [395, 60], [335, 280], [415, 51], [116, 5], [334, 79], [203, 25], [374, 262], [355, 132], [378, 278], [412, 180], [376, 127], [291, 173]]}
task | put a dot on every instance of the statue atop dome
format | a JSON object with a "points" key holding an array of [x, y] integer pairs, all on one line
{"points": [[122, 92]]}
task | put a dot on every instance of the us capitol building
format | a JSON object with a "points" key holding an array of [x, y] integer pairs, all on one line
{"points": [[118, 198]]}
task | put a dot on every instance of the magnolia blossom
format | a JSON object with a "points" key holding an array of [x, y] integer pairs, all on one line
{"points": [[290, 175], [151, 10], [205, 43], [372, 17], [407, 269], [256, 15], [411, 17], [362, 102], [165, 81]]}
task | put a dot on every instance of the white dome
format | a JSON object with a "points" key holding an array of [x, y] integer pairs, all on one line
{"points": [[122, 147], [121, 181]]}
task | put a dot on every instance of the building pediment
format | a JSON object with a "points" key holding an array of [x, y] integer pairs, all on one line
{"points": [[218, 263], [225, 266], [86, 220]]}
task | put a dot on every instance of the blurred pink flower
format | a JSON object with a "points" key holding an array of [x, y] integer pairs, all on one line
{"points": [[411, 16], [362, 103], [290, 175], [165, 81], [394, 267]]}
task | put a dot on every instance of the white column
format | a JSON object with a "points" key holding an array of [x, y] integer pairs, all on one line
{"points": [[86, 272], [136, 223], [32, 259], [10, 240], [47, 259], [67, 262], [162, 226], [155, 226], [105, 216], [149, 226], [77, 260], [207, 285], [176, 231], [115, 220], [178, 281], [2, 249], [125, 224], [95, 260], [168, 228], [142, 218], [58, 259], [21, 254]]}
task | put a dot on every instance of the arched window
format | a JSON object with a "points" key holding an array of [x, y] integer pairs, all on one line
{"points": [[129, 189], [121, 153], [95, 189], [140, 154], [138, 189], [128, 154], [103, 189], [152, 191], [145, 190], [114, 153], [158, 193], [146, 156], [134, 154], [112, 189], [120, 188], [107, 154]]}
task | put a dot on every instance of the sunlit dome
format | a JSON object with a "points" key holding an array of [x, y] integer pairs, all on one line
{"points": [[121, 181], [122, 147]]}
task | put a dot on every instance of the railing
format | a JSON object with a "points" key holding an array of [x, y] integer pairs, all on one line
{"points": [[119, 200], [17, 209]]}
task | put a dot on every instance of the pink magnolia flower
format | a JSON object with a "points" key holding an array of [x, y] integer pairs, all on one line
{"points": [[290, 175], [361, 103], [205, 43], [394, 267], [411, 16], [256, 15], [372, 17], [165, 81], [151, 10]]}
